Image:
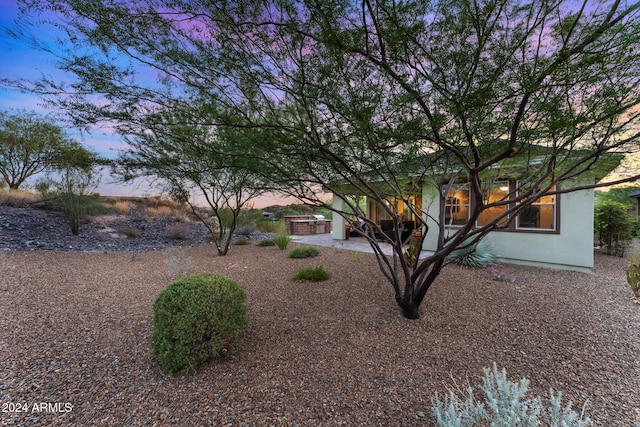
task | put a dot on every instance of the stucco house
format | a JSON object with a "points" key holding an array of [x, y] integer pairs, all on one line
{"points": [[556, 231]]}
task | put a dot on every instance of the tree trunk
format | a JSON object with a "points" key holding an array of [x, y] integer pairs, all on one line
{"points": [[410, 309]]}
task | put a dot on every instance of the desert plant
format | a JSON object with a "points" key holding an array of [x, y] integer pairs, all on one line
{"points": [[282, 240], [18, 198], [129, 231], [122, 207], [412, 253], [633, 277], [304, 252], [266, 242], [242, 242], [504, 406], [197, 318], [178, 265], [245, 230], [501, 276], [473, 255], [178, 232], [269, 226], [316, 274], [614, 227]]}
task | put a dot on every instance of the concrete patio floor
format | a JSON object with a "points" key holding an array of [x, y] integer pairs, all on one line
{"points": [[358, 244]]}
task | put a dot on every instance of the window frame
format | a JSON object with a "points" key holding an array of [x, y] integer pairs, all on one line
{"points": [[513, 225], [555, 216]]}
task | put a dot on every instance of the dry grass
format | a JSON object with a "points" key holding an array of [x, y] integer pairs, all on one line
{"points": [[179, 232], [18, 198], [122, 207], [129, 231]]}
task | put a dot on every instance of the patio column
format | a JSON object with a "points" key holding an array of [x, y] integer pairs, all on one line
{"points": [[338, 231]]}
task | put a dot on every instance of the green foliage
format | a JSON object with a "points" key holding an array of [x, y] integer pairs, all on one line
{"points": [[316, 274], [266, 243], [31, 144], [282, 240], [633, 277], [267, 225], [374, 112], [294, 209], [620, 195], [72, 202], [614, 227], [504, 405], [304, 252], [478, 255], [195, 319]]}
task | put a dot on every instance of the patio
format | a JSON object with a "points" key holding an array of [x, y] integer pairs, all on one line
{"points": [[357, 244]]}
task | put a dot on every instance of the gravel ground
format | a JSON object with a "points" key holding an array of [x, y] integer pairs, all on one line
{"points": [[77, 327]]}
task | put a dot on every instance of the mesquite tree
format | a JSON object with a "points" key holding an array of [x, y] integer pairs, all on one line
{"points": [[372, 99], [31, 144], [193, 163]]}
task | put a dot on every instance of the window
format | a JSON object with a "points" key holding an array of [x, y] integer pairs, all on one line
{"points": [[456, 209], [541, 215], [497, 191]]}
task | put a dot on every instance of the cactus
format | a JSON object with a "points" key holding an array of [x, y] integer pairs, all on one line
{"points": [[633, 277]]}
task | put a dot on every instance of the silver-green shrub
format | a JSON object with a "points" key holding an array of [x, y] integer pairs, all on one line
{"points": [[504, 405]]}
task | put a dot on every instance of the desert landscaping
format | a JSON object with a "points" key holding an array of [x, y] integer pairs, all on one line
{"points": [[77, 325]]}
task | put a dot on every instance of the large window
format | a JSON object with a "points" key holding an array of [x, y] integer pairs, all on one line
{"points": [[541, 215], [497, 192], [456, 209]]}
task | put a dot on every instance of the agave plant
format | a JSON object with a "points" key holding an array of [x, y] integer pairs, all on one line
{"points": [[478, 255]]}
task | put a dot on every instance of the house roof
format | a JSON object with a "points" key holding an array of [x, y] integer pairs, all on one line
{"points": [[635, 194]]}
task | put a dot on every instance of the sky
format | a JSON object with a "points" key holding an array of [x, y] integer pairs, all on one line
{"points": [[18, 60]]}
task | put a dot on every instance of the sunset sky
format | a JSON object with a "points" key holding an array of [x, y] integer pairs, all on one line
{"points": [[18, 60]]}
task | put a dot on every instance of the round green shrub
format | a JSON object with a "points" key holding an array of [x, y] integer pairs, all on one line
{"points": [[304, 252], [197, 318], [267, 242]]}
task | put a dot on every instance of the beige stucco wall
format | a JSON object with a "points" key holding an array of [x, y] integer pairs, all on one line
{"points": [[571, 249]]}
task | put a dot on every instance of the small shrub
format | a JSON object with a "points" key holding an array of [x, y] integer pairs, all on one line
{"points": [[501, 276], [316, 274], [282, 241], [266, 242], [159, 211], [129, 231], [304, 252], [197, 318], [412, 253], [504, 406], [478, 255], [122, 207], [245, 230], [242, 242], [269, 226], [178, 265], [178, 232], [633, 277]]}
